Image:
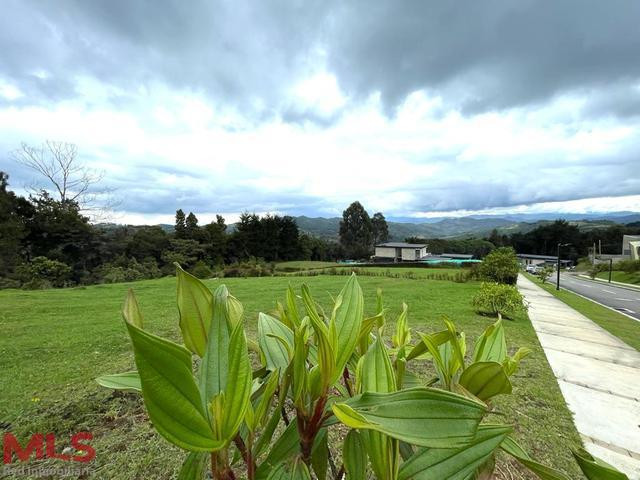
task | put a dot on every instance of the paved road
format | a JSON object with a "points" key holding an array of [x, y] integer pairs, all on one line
{"points": [[622, 299], [597, 374]]}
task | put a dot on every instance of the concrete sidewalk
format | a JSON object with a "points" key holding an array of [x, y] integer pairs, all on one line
{"points": [[598, 374]]}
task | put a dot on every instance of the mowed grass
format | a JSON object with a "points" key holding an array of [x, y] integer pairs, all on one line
{"points": [[624, 277], [55, 342], [304, 265], [430, 273], [623, 327]]}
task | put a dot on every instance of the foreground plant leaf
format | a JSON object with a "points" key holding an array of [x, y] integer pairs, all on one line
{"points": [[485, 380], [452, 463], [170, 393], [194, 466], [354, 456], [271, 335], [214, 367], [295, 470], [128, 381], [348, 321], [596, 469], [491, 346], [131, 311], [195, 307], [419, 416], [510, 446]]}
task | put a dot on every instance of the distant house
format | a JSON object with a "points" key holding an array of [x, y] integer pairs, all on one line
{"points": [[631, 247], [400, 252], [530, 259]]}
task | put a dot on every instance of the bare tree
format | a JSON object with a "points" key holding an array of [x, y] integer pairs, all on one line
{"points": [[71, 180]]}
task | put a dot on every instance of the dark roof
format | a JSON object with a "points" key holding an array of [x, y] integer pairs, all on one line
{"points": [[537, 257], [401, 245]]}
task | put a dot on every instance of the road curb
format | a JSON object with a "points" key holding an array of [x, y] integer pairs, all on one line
{"points": [[601, 304], [626, 286]]}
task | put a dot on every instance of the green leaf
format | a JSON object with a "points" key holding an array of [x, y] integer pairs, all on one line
{"points": [[300, 353], [354, 456], [437, 339], [510, 446], [436, 350], [238, 388], [402, 336], [491, 346], [274, 337], [131, 311], [376, 375], [194, 466], [485, 380], [129, 381], [284, 447], [194, 304], [376, 372], [420, 416], [511, 364], [596, 469], [320, 454], [348, 321], [454, 463], [292, 308], [295, 470], [170, 392], [262, 408], [214, 367]]}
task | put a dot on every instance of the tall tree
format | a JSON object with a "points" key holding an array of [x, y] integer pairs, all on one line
{"points": [[191, 227], [356, 231], [216, 240], [66, 178], [181, 227], [14, 211], [380, 228]]}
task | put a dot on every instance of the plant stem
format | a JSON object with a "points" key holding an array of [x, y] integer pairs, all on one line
{"points": [[347, 381]]}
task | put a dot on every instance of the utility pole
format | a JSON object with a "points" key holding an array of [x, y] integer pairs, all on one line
{"points": [[610, 268], [558, 266]]}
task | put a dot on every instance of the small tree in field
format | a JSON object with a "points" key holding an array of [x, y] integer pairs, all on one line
{"points": [[545, 273], [500, 266]]}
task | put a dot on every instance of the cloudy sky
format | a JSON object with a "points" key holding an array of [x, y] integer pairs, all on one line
{"points": [[415, 108]]}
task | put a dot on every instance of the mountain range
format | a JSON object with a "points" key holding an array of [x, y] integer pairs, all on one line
{"points": [[474, 225]]}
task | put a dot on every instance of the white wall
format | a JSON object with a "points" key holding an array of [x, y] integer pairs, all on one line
{"points": [[385, 252]]}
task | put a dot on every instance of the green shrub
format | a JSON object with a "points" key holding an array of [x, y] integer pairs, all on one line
{"points": [[499, 300], [330, 373], [255, 267], [43, 272], [545, 273], [201, 270], [627, 266], [500, 266]]}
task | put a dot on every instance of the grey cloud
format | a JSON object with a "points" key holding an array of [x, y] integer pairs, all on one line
{"points": [[480, 56]]}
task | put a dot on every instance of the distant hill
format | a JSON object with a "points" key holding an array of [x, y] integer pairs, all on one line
{"points": [[451, 227], [476, 226]]}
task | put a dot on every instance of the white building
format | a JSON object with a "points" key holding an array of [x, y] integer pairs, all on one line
{"points": [[631, 247], [400, 252]]}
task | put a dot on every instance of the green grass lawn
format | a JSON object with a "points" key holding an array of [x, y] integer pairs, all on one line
{"points": [[623, 327], [432, 273], [55, 342], [624, 277]]}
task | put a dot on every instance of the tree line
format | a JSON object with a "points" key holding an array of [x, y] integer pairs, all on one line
{"points": [[47, 241]]}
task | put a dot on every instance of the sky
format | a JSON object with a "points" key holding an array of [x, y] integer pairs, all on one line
{"points": [[414, 108]]}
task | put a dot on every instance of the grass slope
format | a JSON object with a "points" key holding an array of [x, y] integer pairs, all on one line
{"points": [[55, 342], [623, 327], [624, 277]]}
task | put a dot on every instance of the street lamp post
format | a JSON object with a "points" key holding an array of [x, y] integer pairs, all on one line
{"points": [[558, 266]]}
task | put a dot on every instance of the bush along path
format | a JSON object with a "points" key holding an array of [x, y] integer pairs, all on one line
{"points": [[598, 374]]}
